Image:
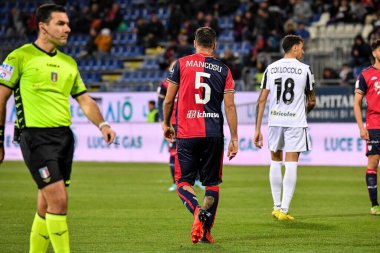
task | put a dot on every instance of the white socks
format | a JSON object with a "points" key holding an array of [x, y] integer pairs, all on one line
{"points": [[290, 180], [289, 184], [275, 179]]}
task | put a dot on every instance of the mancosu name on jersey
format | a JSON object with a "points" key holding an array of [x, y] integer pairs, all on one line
{"points": [[192, 114], [205, 65]]}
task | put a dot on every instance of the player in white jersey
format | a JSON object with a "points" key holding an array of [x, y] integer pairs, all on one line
{"points": [[290, 85]]}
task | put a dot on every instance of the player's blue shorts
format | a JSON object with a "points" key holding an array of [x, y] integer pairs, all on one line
{"points": [[373, 145], [199, 155]]}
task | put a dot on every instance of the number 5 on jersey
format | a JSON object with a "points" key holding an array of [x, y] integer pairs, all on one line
{"points": [[199, 84]]}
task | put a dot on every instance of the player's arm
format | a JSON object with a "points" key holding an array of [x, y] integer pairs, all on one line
{"points": [[5, 93], [92, 112], [230, 110], [311, 100], [358, 114], [168, 111], [260, 107]]}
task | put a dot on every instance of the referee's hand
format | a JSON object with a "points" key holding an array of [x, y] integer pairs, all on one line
{"points": [[108, 134]]}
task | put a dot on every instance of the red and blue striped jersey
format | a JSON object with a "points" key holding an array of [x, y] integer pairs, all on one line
{"points": [[202, 82], [369, 83]]}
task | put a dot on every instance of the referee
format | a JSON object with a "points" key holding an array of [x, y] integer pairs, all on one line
{"points": [[42, 78]]}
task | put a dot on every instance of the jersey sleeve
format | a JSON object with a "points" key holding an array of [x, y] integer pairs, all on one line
{"points": [[230, 84], [264, 80], [361, 84], [9, 70], [78, 88], [174, 75], [310, 80]]}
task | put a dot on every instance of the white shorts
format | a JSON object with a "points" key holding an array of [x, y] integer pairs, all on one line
{"points": [[289, 139]]}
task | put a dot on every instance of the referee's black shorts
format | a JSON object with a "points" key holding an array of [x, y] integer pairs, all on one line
{"points": [[199, 155], [48, 153]]}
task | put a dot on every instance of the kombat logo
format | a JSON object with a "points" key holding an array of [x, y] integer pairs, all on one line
{"points": [[54, 76], [192, 114], [44, 173]]}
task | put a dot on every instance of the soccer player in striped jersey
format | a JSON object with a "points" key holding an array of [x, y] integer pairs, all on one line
{"points": [[290, 85], [202, 83], [368, 86]]}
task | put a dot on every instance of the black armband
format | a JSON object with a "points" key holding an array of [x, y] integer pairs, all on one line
{"points": [[2, 128]]}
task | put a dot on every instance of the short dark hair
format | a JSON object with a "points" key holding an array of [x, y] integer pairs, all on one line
{"points": [[205, 37], [289, 41], [43, 13], [375, 44]]}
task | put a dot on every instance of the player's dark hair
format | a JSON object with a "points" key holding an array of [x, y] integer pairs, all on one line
{"points": [[375, 44], [43, 13], [205, 37], [289, 41]]}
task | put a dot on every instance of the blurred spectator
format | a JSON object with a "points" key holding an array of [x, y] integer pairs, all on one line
{"points": [[290, 27], [357, 11], [259, 74], [211, 22], [174, 22], [156, 32], [16, 23], [329, 77], [113, 17], [345, 75], [262, 19], [360, 55], [301, 31], [141, 31], [340, 11], [103, 41], [273, 42], [153, 115], [238, 28], [302, 12], [233, 63], [183, 48]]}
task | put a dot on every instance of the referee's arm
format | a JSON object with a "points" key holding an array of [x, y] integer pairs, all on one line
{"points": [[5, 93], [92, 112]]}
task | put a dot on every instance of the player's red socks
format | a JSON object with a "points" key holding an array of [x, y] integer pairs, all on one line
{"points": [[371, 180], [188, 199]]}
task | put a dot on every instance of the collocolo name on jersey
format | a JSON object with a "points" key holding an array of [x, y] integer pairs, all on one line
{"points": [[205, 65], [283, 70]]}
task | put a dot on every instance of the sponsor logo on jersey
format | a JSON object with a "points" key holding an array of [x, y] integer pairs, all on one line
{"points": [[195, 114], [6, 71], [377, 87], [282, 114], [44, 173], [54, 76], [373, 78]]}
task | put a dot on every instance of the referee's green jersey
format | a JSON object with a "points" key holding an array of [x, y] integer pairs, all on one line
{"points": [[42, 84]]}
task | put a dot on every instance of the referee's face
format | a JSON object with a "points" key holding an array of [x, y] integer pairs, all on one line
{"points": [[57, 30]]}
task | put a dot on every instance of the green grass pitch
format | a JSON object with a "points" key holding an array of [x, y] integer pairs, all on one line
{"points": [[125, 207]]}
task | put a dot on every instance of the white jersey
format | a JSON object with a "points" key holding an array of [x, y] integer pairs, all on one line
{"points": [[287, 80]]}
